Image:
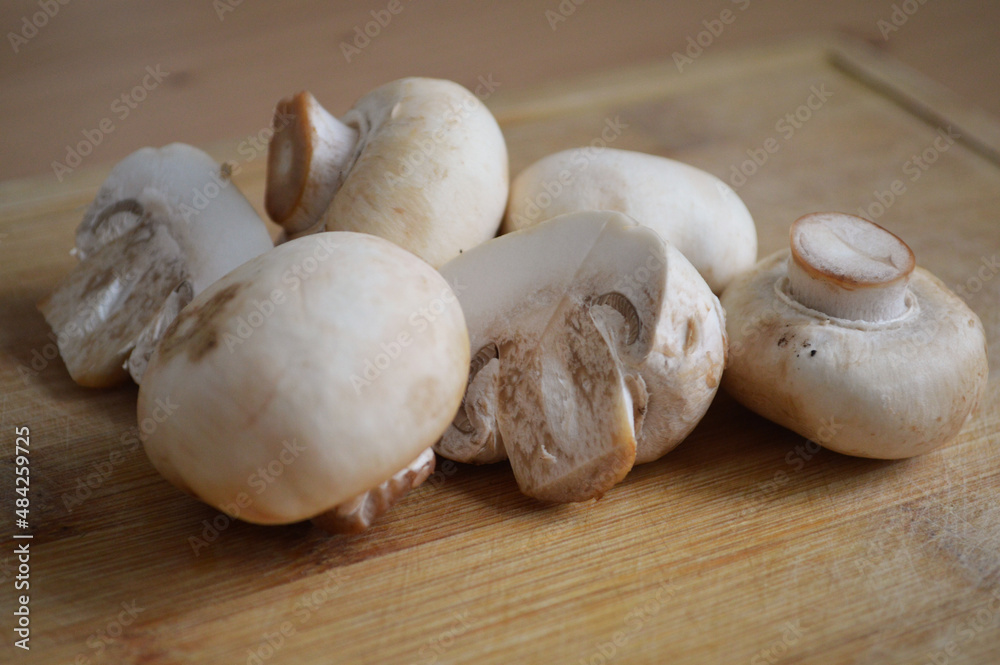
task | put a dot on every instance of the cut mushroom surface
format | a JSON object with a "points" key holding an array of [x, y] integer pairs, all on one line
{"points": [[165, 224], [846, 342], [695, 211], [310, 382], [418, 161], [595, 346]]}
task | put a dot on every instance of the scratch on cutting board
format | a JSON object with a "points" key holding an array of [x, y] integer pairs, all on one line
{"points": [[963, 526]]}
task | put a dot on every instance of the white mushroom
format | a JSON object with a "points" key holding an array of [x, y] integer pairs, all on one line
{"points": [[165, 224], [595, 346], [695, 211], [844, 341], [307, 377], [418, 161]]}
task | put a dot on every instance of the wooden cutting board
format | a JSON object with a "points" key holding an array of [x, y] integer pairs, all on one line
{"points": [[740, 546]]}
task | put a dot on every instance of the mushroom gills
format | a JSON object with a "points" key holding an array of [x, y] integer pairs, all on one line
{"points": [[360, 512], [148, 243], [112, 222], [482, 357], [479, 441], [623, 306], [150, 336]]}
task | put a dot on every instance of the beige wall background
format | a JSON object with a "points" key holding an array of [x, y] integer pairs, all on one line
{"points": [[68, 65]]}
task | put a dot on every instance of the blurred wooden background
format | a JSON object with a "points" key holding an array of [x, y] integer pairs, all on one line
{"points": [[228, 61]]}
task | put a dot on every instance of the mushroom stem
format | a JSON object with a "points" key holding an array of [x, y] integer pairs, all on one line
{"points": [[357, 514], [307, 160], [848, 267]]}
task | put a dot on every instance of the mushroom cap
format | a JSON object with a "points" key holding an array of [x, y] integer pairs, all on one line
{"points": [[306, 377], [693, 210], [596, 345], [685, 365], [164, 225], [430, 172], [887, 389]]}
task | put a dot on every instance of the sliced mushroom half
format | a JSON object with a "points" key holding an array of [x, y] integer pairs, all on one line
{"points": [[595, 345], [165, 224]]}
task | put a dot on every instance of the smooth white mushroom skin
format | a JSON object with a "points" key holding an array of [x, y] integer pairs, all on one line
{"points": [[693, 210], [895, 387], [165, 224], [595, 346], [418, 161], [306, 377]]}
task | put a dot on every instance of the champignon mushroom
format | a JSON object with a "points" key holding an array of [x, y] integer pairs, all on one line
{"points": [[595, 346], [306, 378], [845, 342], [418, 161], [165, 224], [695, 211]]}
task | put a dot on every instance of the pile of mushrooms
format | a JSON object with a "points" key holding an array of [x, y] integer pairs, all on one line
{"points": [[316, 379]]}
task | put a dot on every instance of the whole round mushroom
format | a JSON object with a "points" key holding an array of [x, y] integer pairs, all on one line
{"points": [[309, 383], [165, 224], [845, 341], [596, 346], [418, 161], [693, 210]]}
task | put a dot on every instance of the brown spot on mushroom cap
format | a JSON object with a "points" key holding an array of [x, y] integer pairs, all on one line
{"points": [[848, 251], [691, 337], [196, 328]]}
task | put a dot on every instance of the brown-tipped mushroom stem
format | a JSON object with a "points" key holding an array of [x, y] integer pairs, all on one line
{"points": [[357, 514], [309, 154], [848, 267], [419, 162]]}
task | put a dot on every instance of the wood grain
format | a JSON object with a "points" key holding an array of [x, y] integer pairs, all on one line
{"points": [[228, 68], [743, 545]]}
